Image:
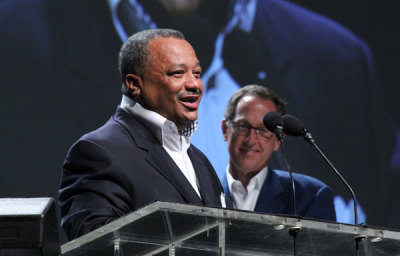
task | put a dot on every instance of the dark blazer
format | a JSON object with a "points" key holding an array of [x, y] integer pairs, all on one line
{"points": [[121, 167], [71, 49], [314, 199]]}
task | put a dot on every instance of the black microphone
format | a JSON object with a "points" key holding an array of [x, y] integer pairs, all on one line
{"points": [[273, 121], [294, 127]]}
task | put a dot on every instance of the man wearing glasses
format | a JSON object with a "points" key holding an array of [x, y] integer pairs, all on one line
{"points": [[249, 181]]}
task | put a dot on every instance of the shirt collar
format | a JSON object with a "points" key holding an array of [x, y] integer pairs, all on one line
{"points": [[255, 182], [158, 125]]}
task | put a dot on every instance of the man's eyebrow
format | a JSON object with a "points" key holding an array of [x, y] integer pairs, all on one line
{"points": [[182, 65], [244, 121]]}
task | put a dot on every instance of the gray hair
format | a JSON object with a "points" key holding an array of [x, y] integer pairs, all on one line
{"points": [[257, 91], [134, 55]]}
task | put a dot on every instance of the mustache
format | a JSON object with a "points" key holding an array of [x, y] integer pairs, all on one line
{"points": [[194, 92]]}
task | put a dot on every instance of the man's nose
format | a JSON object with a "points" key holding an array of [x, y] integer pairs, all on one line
{"points": [[252, 134], [193, 82]]}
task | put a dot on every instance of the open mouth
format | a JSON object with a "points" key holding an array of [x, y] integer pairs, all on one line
{"points": [[190, 101]]}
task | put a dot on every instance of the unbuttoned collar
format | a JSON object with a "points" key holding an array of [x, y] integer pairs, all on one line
{"points": [[163, 129], [255, 183]]}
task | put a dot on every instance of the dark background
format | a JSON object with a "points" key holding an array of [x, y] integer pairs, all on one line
{"points": [[376, 22], [43, 111]]}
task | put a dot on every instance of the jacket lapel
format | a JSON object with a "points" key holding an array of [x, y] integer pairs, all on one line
{"points": [[225, 186], [208, 192], [162, 162], [157, 156], [272, 198]]}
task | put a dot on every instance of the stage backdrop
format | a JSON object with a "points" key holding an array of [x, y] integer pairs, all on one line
{"points": [[334, 62]]}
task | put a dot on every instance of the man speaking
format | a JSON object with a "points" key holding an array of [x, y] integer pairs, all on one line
{"points": [[143, 152]]}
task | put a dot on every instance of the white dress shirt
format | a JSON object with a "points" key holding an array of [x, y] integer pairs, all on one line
{"points": [[167, 133], [246, 198], [214, 101]]}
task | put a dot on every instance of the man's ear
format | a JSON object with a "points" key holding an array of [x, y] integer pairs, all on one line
{"points": [[277, 144], [224, 129], [134, 83]]}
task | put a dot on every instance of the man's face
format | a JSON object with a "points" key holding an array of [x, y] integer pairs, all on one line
{"points": [[171, 84], [249, 152]]}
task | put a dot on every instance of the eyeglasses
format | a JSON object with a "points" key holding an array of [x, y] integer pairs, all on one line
{"points": [[244, 129]]}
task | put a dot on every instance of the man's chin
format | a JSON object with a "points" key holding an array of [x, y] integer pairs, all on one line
{"points": [[183, 123], [191, 117]]}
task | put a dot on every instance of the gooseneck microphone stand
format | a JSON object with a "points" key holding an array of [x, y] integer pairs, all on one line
{"points": [[357, 239], [273, 121], [294, 127], [293, 231]]}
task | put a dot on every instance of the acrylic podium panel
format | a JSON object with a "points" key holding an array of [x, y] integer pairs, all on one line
{"points": [[177, 229]]}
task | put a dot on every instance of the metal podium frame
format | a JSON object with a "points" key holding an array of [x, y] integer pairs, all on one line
{"points": [[172, 229]]}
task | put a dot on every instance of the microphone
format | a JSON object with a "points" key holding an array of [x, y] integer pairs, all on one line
{"points": [[294, 127], [273, 121]]}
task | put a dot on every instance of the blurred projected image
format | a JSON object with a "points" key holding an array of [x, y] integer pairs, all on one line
{"points": [[58, 69]]}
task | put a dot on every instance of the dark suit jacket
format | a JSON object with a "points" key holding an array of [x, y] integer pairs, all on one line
{"points": [[314, 199], [121, 167], [71, 48]]}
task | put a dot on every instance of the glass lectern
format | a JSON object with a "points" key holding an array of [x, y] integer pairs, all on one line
{"points": [[178, 229]]}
